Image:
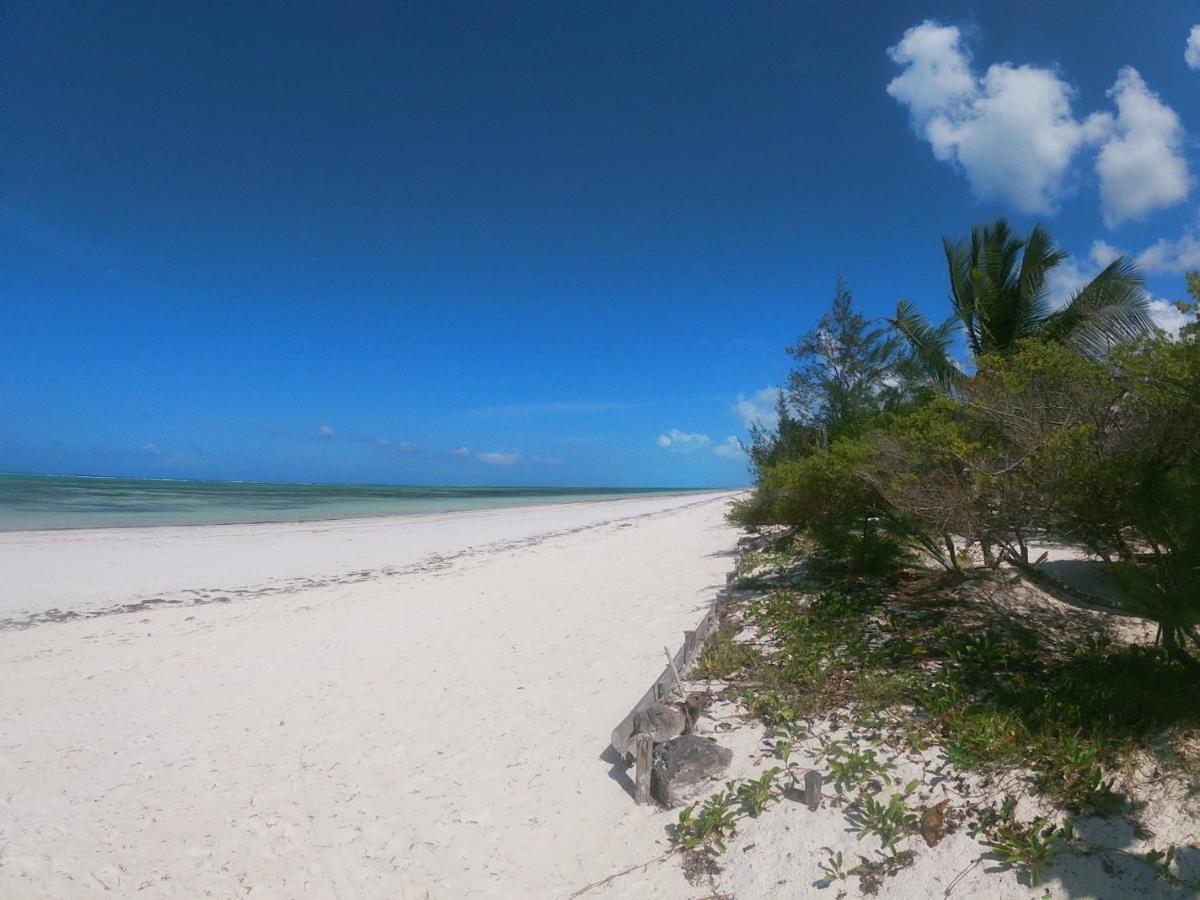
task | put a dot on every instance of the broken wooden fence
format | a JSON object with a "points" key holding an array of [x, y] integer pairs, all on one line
{"points": [[624, 741]]}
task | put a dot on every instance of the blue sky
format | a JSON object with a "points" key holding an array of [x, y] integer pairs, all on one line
{"points": [[532, 243]]}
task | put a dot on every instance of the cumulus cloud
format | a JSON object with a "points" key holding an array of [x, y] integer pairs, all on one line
{"points": [[1014, 136], [937, 74], [152, 449], [499, 458], [1168, 317], [1141, 165], [1191, 53], [326, 432], [682, 440], [758, 408], [460, 452], [1172, 257], [730, 448], [1012, 133], [1102, 253]]}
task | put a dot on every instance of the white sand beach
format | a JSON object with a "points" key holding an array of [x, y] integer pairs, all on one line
{"points": [[369, 708]]}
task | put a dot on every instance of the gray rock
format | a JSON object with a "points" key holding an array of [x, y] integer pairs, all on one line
{"points": [[684, 766], [662, 721]]}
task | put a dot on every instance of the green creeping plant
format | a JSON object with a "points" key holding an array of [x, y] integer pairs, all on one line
{"points": [[755, 793], [1030, 848], [716, 820], [891, 822]]}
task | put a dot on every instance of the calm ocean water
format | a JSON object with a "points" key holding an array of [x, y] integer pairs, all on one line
{"points": [[57, 501]]}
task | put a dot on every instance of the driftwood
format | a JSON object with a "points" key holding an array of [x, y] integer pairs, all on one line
{"points": [[668, 681]]}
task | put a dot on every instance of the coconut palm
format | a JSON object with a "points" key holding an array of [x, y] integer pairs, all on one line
{"points": [[999, 294]]}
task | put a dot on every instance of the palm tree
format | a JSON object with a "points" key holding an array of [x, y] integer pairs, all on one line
{"points": [[999, 295]]}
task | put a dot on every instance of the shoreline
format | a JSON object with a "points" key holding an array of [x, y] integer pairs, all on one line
{"points": [[136, 567], [438, 731], [382, 517], [650, 494]]}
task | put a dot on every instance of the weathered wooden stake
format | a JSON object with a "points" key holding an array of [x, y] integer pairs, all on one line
{"points": [[812, 788], [689, 646], [674, 670], [644, 747]]}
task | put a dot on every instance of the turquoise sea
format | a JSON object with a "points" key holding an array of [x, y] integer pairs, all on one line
{"points": [[65, 501]]}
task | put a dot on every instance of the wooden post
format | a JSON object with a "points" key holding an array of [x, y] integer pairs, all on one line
{"points": [[812, 788], [689, 646], [644, 747], [674, 671]]}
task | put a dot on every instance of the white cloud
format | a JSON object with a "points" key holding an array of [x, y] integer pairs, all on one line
{"points": [[1012, 132], [387, 445], [152, 449], [460, 452], [326, 432], [1168, 317], [937, 73], [682, 440], [730, 448], [758, 408], [1172, 257], [1014, 136], [1191, 54], [499, 458], [1102, 253], [1141, 166]]}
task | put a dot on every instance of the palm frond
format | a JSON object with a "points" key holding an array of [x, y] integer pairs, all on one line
{"points": [[1032, 303], [1110, 309], [988, 306], [930, 344], [959, 257], [997, 285]]}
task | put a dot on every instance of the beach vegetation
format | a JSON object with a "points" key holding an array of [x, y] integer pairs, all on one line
{"points": [[890, 822], [907, 499], [755, 793], [846, 372], [711, 825], [1029, 847], [835, 868]]}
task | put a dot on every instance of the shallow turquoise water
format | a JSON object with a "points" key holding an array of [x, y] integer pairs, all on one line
{"points": [[60, 501]]}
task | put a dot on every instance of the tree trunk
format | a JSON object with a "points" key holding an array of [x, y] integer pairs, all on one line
{"points": [[989, 558], [952, 553], [1177, 651]]}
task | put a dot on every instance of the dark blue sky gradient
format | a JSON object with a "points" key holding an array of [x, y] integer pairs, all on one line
{"points": [[551, 229]]}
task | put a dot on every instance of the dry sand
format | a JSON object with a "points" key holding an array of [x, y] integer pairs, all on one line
{"points": [[371, 708]]}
